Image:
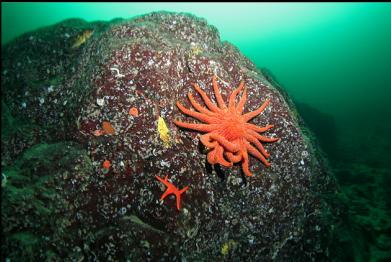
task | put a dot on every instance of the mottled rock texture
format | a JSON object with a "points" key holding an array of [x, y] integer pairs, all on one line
{"points": [[54, 92]]}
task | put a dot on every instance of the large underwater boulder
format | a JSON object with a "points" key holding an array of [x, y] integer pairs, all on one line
{"points": [[88, 112]]}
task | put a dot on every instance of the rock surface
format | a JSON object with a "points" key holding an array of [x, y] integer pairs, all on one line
{"points": [[61, 83]]}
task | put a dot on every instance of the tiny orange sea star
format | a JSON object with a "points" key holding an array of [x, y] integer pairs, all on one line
{"points": [[228, 135], [171, 189]]}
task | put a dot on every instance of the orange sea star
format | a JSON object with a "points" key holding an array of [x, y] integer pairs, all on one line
{"points": [[171, 189], [229, 136]]}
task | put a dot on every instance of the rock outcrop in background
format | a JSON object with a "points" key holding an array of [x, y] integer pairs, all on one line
{"points": [[77, 94]]}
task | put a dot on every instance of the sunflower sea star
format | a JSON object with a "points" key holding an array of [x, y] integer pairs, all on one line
{"points": [[229, 136]]}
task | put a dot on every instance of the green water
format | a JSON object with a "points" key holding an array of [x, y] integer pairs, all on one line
{"points": [[334, 60]]}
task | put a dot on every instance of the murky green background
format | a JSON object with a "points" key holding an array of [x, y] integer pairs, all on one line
{"points": [[334, 59]]}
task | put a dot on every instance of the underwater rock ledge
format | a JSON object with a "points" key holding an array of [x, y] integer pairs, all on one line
{"points": [[87, 124]]}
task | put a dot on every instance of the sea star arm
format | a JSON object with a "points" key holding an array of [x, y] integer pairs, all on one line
{"points": [[242, 101], [263, 138], [199, 107], [168, 191], [220, 157], [197, 127], [211, 156], [232, 97], [178, 202], [206, 99], [253, 151], [178, 197], [250, 115], [234, 157], [245, 167], [196, 115], [170, 187], [258, 144], [205, 139], [216, 156], [257, 128], [164, 181], [218, 96]]}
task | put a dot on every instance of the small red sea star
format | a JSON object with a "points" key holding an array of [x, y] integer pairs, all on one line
{"points": [[229, 136], [171, 189]]}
